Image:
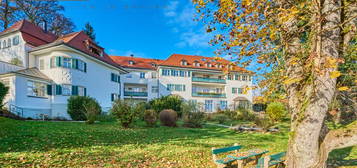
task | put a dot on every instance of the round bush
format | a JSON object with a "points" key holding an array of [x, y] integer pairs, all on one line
{"points": [[3, 91], [168, 117], [276, 111], [150, 117], [76, 109]]}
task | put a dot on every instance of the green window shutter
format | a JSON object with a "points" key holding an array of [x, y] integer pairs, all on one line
{"points": [[85, 91], [49, 89], [112, 96], [75, 90], [58, 61], [58, 90], [232, 90], [74, 63], [118, 78], [111, 77], [85, 67]]}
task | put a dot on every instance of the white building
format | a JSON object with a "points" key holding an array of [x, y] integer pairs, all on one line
{"points": [[53, 70], [49, 69], [197, 78]]}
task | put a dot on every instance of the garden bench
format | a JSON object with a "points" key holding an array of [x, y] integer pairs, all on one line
{"points": [[243, 157], [225, 161], [276, 160]]}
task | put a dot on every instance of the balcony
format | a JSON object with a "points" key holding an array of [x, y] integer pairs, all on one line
{"points": [[214, 95], [135, 94], [208, 80]]}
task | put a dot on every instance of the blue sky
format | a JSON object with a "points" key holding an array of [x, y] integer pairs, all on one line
{"points": [[145, 28]]}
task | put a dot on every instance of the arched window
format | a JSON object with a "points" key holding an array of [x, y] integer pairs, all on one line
{"points": [[183, 62]]}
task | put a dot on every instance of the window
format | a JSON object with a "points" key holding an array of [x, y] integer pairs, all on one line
{"points": [[174, 72], [142, 75], [15, 40], [115, 78], [182, 73], [209, 105], [129, 76], [229, 77], [223, 104], [153, 75], [67, 62], [240, 90], [4, 44], [244, 78], [165, 72], [81, 65], [184, 62], [36, 89], [234, 90], [154, 89], [8, 42], [66, 90], [81, 91], [131, 62], [153, 64], [42, 64], [236, 77], [114, 96], [176, 87]]}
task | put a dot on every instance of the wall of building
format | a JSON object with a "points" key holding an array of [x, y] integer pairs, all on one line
{"points": [[96, 80], [18, 51]]}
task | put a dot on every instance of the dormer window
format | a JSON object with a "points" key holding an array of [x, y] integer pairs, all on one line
{"points": [[183, 62], [131, 62], [94, 48], [196, 63], [153, 64]]}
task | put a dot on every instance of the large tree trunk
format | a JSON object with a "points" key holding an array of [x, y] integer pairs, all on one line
{"points": [[304, 144]]}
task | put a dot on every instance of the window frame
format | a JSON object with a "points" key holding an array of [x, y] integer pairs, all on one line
{"points": [[36, 91]]}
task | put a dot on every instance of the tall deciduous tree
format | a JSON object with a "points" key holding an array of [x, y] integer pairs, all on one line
{"points": [[304, 42], [89, 30], [46, 13]]}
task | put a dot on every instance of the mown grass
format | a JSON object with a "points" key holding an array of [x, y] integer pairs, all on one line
{"points": [[106, 144]]}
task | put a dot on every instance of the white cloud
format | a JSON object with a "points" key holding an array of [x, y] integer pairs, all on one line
{"points": [[170, 10], [181, 18]]}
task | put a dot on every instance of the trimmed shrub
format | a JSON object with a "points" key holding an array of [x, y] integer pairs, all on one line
{"points": [[220, 118], [168, 117], [150, 117], [192, 116], [3, 92], [106, 118], [92, 110], [126, 111], [75, 107], [167, 102], [276, 111]]}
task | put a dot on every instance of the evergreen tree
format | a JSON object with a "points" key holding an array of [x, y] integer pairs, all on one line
{"points": [[89, 30]]}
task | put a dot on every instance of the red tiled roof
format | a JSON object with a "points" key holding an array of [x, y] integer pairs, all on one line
{"points": [[78, 40], [32, 34], [175, 60], [143, 63]]}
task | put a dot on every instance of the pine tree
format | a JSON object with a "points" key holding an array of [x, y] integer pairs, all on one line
{"points": [[89, 30]]}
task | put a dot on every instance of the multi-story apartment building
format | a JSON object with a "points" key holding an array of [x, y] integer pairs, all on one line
{"points": [[215, 83], [49, 69]]}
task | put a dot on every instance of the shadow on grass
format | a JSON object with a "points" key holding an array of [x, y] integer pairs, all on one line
{"points": [[338, 157]]}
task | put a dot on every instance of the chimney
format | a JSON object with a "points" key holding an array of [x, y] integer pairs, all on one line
{"points": [[131, 55]]}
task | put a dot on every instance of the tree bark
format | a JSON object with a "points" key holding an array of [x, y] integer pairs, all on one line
{"points": [[304, 147]]}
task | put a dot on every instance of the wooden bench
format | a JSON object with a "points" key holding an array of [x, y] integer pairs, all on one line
{"points": [[276, 160], [225, 161]]}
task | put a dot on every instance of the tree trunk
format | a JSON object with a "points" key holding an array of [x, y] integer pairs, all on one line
{"points": [[304, 147]]}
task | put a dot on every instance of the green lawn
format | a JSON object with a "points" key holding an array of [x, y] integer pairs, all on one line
{"points": [[72, 144]]}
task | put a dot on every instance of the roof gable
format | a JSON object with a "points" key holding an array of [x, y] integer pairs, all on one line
{"points": [[141, 63]]}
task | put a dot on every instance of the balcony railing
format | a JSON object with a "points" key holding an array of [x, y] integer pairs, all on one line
{"points": [[208, 80], [136, 94], [215, 95]]}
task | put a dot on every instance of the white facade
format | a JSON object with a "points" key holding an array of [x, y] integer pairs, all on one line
{"points": [[13, 49]]}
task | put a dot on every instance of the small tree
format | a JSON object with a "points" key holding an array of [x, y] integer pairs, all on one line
{"points": [[167, 102], [276, 111], [192, 116], [150, 117], [126, 111], [92, 110], [168, 117], [3, 92], [75, 107]]}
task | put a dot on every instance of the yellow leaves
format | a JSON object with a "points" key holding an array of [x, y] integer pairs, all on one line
{"points": [[331, 62], [343, 88], [335, 74], [291, 81], [246, 89]]}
